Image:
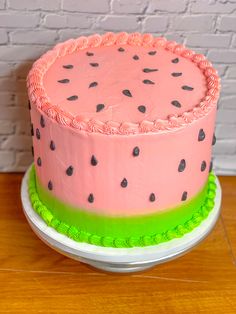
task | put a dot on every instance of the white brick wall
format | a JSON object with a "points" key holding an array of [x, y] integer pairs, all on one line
{"points": [[30, 27]]}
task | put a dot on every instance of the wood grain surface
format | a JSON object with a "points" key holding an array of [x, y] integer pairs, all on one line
{"points": [[36, 279]]}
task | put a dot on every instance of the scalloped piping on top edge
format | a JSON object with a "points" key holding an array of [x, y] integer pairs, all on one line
{"points": [[38, 97], [81, 236]]}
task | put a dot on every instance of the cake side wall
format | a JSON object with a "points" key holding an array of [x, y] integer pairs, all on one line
{"points": [[122, 174]]}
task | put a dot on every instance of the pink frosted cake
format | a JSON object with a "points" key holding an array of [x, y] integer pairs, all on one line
{"points": [[123, 127]]}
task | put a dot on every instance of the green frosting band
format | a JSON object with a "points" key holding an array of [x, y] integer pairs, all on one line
{"points": [[142, 230]]}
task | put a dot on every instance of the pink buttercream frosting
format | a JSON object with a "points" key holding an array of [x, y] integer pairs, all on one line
{"points": [[118, 71], [75, 120]]}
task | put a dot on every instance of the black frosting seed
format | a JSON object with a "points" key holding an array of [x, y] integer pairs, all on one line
{"points": [[100, 107], [176, 60], [38, 134], [121, 49], [52, 145], [176, 103], [176, 74], [32, 150], [182, 165], [50, 186], [201, 135], [136, 151], [74, 97], [94, 161], [126, 92], [211, 166], [64, 81], [29, 105], [203, 166], [152, 53], [184, 196], [32, 130], [213, 139], [148, 82], [42, 122], [148, 70], [68, 66], [142, 109], [89, 54], [94, 64], [135, 57], [39, 162], [91, 198], [93, 84], [124, 183], [152, 197], [69, 171], [186, 87]]}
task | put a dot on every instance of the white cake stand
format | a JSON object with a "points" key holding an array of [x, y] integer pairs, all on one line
{"points": [[120, 260]]}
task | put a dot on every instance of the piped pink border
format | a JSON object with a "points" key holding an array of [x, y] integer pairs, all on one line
{"points": [[39, 98]]}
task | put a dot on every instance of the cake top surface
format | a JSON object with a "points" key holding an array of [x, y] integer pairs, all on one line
{"points": [[124, 83], [120, 83]]}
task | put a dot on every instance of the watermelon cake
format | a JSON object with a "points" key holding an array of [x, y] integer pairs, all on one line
{"points": [[122, 128]]}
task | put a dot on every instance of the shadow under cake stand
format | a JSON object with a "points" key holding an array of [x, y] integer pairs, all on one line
{"points": [[120, 260]]}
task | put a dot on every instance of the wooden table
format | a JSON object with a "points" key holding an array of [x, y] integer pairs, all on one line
{"points": [[36, 279]]}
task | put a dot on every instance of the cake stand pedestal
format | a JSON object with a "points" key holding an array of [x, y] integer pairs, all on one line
{"points": [[120, 260]]}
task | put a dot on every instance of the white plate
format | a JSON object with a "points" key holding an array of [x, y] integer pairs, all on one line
{"points": [[118, 259]]}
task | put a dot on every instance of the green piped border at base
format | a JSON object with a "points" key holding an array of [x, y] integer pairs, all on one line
{"points": [[75, 233]]}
